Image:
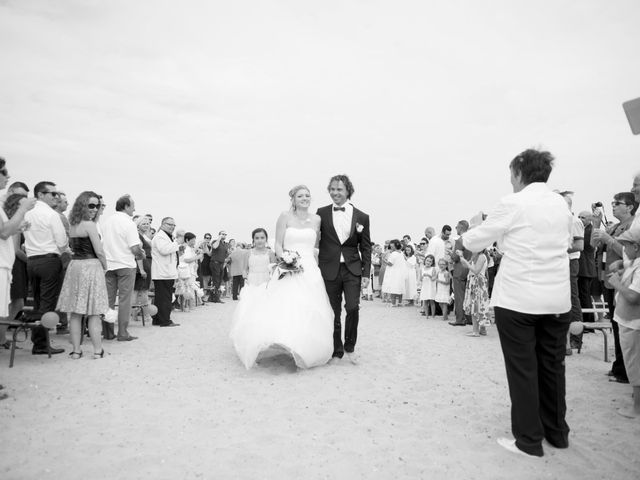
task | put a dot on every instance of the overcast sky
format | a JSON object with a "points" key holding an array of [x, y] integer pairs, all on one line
{"points": [[209, 111]]}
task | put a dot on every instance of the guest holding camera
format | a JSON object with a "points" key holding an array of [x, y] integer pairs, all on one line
{"points": [[219, 249], [624, 207]]}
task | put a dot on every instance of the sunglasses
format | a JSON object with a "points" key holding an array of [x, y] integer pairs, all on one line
{"points": [[614, 204], [53, 194], [422, 243], [93, 206]]}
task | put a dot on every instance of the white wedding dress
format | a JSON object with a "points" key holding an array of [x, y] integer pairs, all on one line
{"points": [[292, 314]]}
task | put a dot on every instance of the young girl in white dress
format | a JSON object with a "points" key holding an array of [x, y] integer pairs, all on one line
{"points": [[394, 283], [288, 314], [428, 289], [258, 270], [443, 287], [411, 281]]}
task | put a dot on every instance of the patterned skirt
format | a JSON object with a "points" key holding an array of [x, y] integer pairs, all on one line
{"points": [[476, 299], [84, 290]]}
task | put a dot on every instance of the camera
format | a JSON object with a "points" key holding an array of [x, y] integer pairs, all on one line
{"points": [[596, 205]]}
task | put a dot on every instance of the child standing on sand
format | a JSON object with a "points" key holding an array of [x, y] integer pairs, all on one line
{"points": [[443, 287], [627, 313]]}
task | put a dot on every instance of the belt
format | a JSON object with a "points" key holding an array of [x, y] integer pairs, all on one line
{"points": [[46, 255]]}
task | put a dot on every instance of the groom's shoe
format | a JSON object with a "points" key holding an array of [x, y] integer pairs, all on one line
{"points": [[353, 357]]}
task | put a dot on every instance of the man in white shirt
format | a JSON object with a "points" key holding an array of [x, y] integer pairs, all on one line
{"points": [[164, 270], [121, 247], [44, 241], [437, 246], [577, 245], [532, 300]]}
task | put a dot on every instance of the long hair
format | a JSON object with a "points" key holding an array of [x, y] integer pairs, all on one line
{"points": [[293, 192], [12, 203], [80, 211]]}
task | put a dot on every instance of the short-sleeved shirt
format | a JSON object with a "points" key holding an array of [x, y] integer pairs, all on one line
{"points": [[577, 231], [219, 254], [626, 313], [119, 234]]}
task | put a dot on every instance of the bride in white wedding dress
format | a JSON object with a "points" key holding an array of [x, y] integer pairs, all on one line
{"points": [[292, 314]]}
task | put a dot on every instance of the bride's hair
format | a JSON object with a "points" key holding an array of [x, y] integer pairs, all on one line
{"points": [[293, 192]]}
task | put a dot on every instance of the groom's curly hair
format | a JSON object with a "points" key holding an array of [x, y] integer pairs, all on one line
{"points": [[347, 184]]}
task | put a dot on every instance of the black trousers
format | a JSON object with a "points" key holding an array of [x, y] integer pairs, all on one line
{"points": [[238, 283], [44, 273], [217, 271], [534, 351], [617, 368], [348, 284], [164, 291], [584, 294]]}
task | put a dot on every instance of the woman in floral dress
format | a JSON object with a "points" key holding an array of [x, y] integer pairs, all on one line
{"points": [[476, 296]]}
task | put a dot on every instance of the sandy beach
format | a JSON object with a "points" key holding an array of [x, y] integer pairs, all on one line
{"points": [[425, 402]]}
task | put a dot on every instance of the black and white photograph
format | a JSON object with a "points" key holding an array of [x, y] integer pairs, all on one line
{"points": [[315, 240]]}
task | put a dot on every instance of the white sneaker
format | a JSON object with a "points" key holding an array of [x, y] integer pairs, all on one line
{"points": [[353, 357], [509, 444]]}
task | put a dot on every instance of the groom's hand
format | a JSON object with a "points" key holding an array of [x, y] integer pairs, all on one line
{"points": [[365, 282]]}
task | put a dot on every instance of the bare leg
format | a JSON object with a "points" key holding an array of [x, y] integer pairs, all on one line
{"points": [[95, 332], [433, 307], [445, 311], [75, 328]]}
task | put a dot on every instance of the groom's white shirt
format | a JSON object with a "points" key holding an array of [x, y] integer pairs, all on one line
{"points": [[342, 223]]}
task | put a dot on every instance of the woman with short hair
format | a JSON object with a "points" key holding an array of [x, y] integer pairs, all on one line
{"points": [[532, 300]]}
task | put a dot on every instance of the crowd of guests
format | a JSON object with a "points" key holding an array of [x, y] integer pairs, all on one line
{"points": [[97, 274], [438, 276]]}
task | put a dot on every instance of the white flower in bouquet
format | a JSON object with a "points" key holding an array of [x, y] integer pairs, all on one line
{"points": [[287, 256], [359, 228]]}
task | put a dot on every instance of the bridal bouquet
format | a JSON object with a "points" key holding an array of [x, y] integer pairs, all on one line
{"points": [[288, 264]]}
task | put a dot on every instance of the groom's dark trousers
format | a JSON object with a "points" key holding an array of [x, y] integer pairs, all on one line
{"points": [[348, 283]]}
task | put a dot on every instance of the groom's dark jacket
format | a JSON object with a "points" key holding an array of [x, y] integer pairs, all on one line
{"points": [[356, 249]]}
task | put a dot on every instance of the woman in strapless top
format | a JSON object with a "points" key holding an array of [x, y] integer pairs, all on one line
{"points": [[84, 291]]}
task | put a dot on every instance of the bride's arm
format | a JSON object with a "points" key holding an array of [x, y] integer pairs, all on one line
{"points": [[316, 250], [281, 227]]}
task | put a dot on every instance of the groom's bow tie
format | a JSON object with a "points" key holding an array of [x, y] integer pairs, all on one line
{"points": [[339, 209]]}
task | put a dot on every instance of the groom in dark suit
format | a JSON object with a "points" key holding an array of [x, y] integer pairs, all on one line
{"points": [[344, 260]]}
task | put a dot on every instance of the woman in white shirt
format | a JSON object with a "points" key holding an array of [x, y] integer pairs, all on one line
{"points": [[532, 301]]}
